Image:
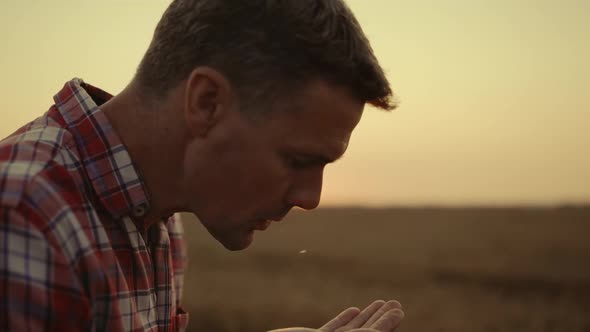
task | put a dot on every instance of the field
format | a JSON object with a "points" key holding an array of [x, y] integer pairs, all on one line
{"points": [[478, 269]]}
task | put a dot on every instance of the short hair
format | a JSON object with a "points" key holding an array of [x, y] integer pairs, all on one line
{"points": [[265, 47]]}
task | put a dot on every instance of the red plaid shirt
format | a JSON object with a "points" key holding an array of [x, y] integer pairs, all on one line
{"points": [[71, 257]]}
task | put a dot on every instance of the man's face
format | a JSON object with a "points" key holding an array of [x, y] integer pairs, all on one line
{"points": [[257, 169]]}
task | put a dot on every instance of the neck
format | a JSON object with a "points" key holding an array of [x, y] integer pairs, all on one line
{"points": [[151, 135]]}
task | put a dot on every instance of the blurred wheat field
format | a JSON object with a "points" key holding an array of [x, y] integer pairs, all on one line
{"points": [[497, 269]]}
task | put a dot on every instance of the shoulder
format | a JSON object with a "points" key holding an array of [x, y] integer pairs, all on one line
{"points": [[53, 215], [29, 155], [39, 180]]}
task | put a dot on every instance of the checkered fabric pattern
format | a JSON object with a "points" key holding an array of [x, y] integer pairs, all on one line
{"points": [[72, 258]]}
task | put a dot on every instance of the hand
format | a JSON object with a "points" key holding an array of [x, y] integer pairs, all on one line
{"points": [[379, 316]]}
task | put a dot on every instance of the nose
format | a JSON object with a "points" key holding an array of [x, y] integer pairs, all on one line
{"points": [[306, 191]]}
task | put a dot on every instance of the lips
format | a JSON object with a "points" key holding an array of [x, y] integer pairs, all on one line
{"points": [[280, 216], [262, 225]]}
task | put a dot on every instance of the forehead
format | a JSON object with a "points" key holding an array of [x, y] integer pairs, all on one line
{"points": [[318, 119]]}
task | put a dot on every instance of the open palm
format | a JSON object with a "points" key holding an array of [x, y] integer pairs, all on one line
{"points": [[379, 316]]}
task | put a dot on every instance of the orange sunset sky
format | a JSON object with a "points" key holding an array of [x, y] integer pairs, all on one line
{"points": [[495, 107]]}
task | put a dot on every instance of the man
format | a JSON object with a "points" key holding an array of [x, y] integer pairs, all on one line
{"points": [[235, 110]]}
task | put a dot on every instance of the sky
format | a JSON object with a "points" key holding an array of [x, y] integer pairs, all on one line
{"points": [[494, 108]]}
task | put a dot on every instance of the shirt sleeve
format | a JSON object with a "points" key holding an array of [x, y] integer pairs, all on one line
{"points": [[39, 290]]}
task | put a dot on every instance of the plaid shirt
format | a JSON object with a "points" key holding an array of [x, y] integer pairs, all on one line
{"points": [[71, 256]]}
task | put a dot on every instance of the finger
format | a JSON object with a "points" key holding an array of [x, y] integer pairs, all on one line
{"points": [[294, 329], [385, 308], [342, 319], [389, 321], [359, 320]]}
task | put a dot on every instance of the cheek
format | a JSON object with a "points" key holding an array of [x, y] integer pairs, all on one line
{"points": [[190, 172], [270, 176]]}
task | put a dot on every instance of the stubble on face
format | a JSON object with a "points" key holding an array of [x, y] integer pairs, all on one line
{"points": [[259, 169]]}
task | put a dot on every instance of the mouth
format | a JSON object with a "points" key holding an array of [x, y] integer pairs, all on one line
{"points": [[280, 216], [262, 225]]}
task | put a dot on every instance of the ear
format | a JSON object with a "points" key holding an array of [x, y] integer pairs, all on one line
{"points": [[207, 100]]}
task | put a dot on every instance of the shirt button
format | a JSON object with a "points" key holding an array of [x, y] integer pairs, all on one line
{"points": [[139, 211]]}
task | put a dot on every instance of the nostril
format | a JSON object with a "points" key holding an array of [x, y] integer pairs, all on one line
{"points": [[306, 194]]}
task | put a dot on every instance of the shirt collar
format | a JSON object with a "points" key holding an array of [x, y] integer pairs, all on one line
{"points": [[107, 163]]}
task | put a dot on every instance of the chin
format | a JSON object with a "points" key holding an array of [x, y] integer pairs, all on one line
{"points": [[237, 241]]}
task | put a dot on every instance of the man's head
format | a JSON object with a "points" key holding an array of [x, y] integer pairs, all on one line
{"points": [[270, 92], [266, 48]]}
